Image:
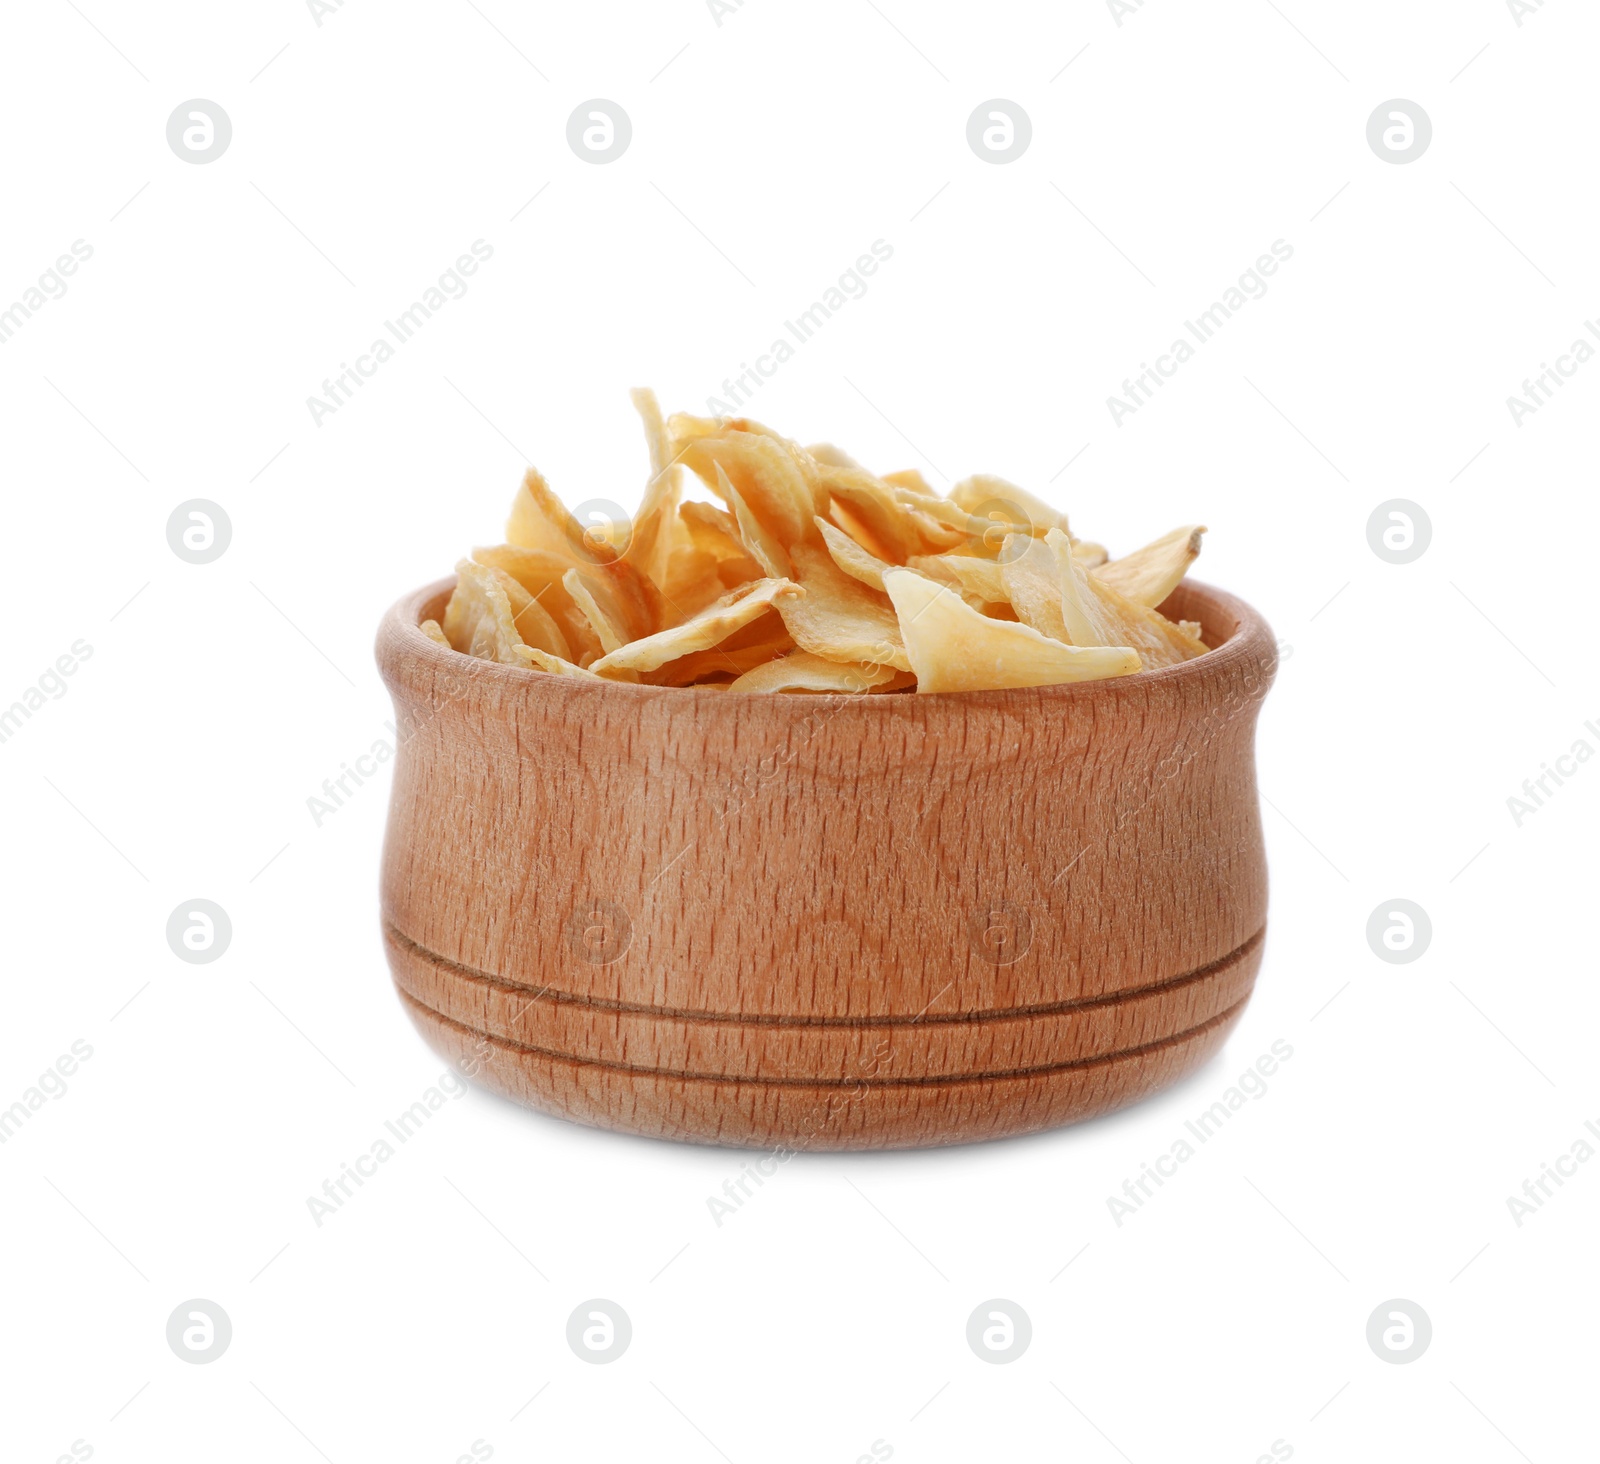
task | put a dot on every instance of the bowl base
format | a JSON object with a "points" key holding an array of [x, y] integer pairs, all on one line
{"points": [[796, 1115]]}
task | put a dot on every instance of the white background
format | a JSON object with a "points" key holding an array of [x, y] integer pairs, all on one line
{"points": [[768, 152]]}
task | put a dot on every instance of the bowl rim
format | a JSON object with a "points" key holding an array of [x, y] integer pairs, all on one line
{"points": [[1251, 640]]}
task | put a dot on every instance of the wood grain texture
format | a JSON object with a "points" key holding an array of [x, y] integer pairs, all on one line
{"points": [[698, 915]]}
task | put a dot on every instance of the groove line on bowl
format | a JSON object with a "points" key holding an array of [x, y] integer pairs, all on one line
{"points": [[760, 1019], [941, 1080]]}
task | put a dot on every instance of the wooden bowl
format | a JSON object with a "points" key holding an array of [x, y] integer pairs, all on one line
{"points": [[825, 922]]}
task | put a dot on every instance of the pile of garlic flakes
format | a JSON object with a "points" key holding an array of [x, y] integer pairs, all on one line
{"points": [[814, 575]]}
